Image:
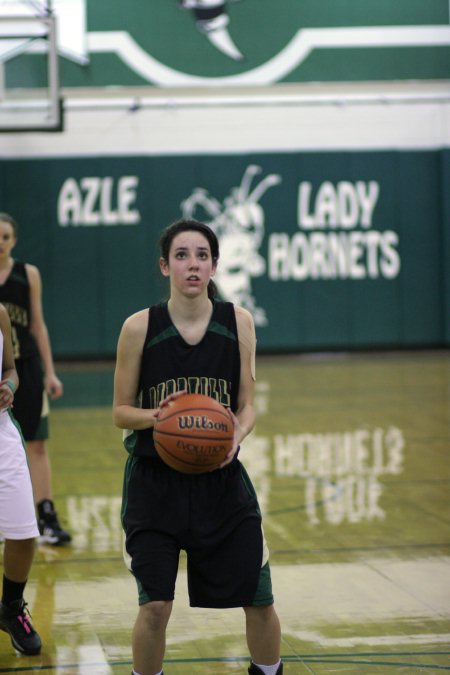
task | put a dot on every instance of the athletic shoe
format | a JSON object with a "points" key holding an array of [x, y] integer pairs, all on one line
{"points": [[254, 670], [50, 530], [15, 620]]}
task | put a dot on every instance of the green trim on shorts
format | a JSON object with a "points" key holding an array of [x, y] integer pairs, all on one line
{"points": [[42, 430], [16, 424], [249, 486], [142, 593], [263, 595], [130, 439], [129, 468], [131, 462]]}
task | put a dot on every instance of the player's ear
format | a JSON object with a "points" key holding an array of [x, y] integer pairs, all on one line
{"points": [[164, 267]]}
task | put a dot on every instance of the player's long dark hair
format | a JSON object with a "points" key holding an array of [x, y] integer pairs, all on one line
{"points": [[187, 225]]}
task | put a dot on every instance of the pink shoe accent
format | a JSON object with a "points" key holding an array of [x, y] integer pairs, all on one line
{"points": [[24, 621]]}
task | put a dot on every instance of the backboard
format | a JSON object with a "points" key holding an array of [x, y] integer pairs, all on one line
{"points": [[29, 80]]}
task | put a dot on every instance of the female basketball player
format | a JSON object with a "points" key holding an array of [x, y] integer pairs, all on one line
{"points": [[17, 516], [194, 343], [21, 291]]}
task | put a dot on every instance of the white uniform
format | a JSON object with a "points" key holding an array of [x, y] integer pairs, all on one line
{"points": [[17, 512]]}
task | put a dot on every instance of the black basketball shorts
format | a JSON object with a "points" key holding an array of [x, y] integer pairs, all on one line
{"points": [[214, 517], [30, 406]]}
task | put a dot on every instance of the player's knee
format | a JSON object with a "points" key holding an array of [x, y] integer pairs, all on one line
{"points": [[262, 614], [36, 448], [156, 614], [20, 546]]}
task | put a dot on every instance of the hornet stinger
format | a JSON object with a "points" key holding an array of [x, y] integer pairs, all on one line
{"points": [[212, 19]]}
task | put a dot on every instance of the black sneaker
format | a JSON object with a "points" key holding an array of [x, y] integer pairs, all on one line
{"points": [[254, 670], [15, 620], [50, 530]]}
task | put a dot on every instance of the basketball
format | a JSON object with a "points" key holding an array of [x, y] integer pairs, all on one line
{"points": [[193, 434]]}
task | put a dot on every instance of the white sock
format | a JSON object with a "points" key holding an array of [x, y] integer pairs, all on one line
{"points": [[268, 670], [160, 673]]}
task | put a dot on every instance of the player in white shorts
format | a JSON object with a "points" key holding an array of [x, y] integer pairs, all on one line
{"points": [[18, 525]]}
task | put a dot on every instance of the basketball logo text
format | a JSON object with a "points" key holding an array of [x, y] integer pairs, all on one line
{"points": [[201, 452], [201, 422]]}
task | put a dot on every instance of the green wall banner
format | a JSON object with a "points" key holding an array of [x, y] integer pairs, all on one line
{"points": [[199, 43], [445, 269], [331, 250]]}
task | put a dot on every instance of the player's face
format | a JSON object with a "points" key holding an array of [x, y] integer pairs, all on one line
{"points": [[7, 239], [190, 263]]}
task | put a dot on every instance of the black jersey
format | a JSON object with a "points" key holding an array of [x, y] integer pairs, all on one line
{"points": [[170, 364], [15, 295]]}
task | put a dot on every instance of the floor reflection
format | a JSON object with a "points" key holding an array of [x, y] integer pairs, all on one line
{"points": [[350, 458]]}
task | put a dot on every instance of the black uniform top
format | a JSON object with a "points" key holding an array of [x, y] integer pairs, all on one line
{"points": [[15, 295], [170, 364]]}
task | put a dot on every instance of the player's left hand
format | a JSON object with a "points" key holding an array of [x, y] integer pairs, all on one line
{"points": [[53, 386]]}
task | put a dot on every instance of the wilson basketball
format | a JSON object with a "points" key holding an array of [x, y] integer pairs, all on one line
{"points": [[193, 434]]}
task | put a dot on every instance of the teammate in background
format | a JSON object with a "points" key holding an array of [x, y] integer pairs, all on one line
{"points": [[21, 293], [17, 515], [192, 342]]}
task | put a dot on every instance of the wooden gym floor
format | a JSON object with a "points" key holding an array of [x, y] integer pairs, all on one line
{"points": [[350, 458]]}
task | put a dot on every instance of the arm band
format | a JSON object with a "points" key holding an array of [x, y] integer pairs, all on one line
{"points": [[10, 384]]}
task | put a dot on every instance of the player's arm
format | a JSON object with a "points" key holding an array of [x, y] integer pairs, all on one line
{"points": [[244, 419], [38, 329], [126, 413], [247, 347], [9, 378]]}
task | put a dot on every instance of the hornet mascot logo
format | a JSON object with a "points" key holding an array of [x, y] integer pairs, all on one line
{"points": [[239, 226], [212, 20]]}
